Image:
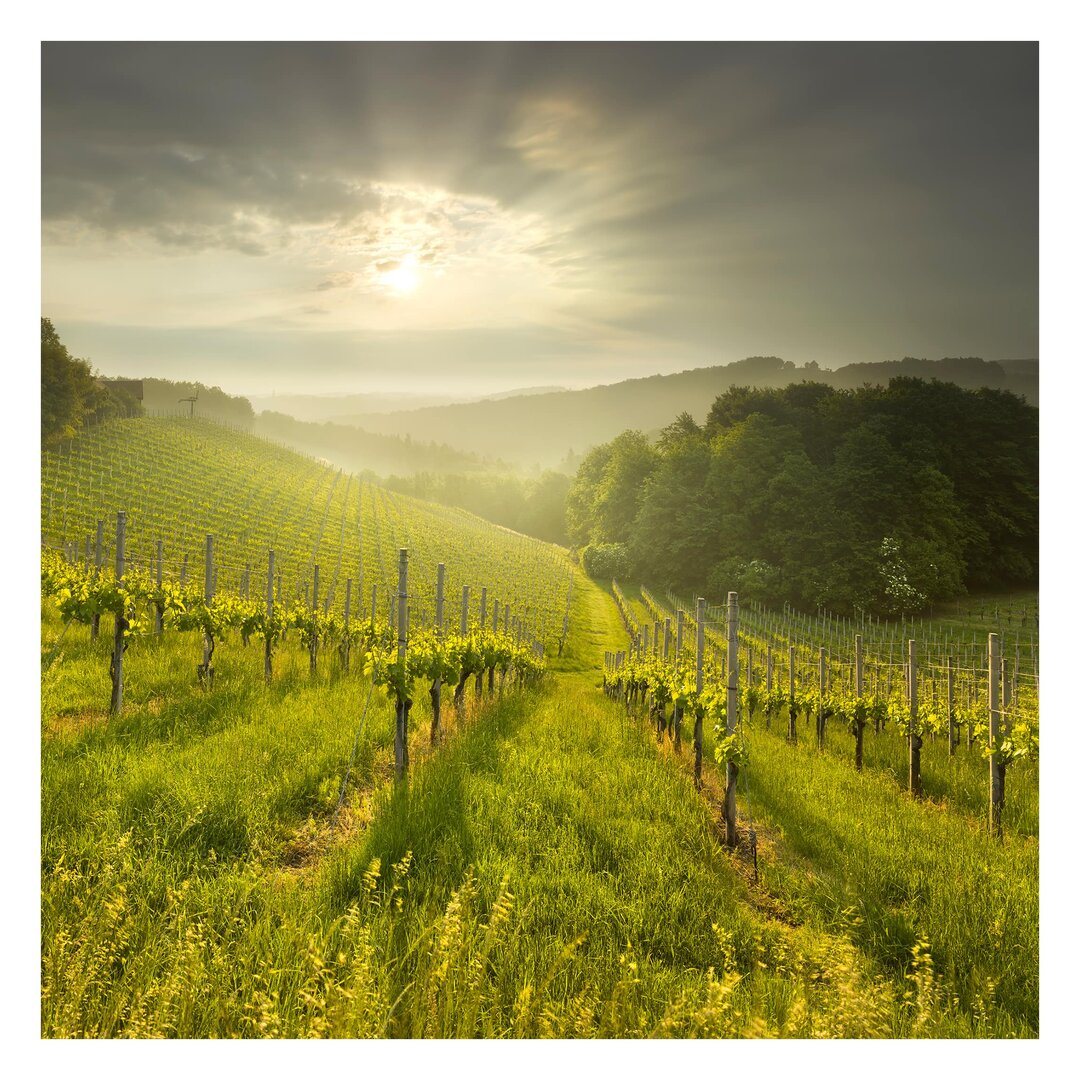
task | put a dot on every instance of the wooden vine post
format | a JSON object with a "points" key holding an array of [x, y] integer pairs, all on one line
{"points": [[483, 624], [313, 643], [159, 604], [997, 766], [821, 699], [436, 686], [699, 730], [116, 668], [792, 709], [459, 690], [268, 668], [95, 622], [676, 712], [205, 670], [731, 835], [914, 738], [768, 682], [950, 698], [401, 728], [345, 644], [495, 628], [860, 721]]}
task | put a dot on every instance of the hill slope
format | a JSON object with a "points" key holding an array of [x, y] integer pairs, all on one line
{"points": [[542, 428], [179, 479]]}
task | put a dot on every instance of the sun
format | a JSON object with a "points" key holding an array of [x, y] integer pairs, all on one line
{"points": [[403, 278]]}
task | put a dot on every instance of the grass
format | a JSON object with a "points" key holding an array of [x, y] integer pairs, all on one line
{"points": [[890, 871], [549, 871], [959, 782]]}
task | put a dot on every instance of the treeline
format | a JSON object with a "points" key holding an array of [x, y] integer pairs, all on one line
{"points": [[539, 429], [532, 506], [168, 397], [72, 393], [878, 498]]}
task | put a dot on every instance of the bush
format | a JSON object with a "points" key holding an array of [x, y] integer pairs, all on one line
{"points": [[606, 561]]}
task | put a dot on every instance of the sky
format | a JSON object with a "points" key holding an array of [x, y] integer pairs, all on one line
{"points": [[466, 218]]}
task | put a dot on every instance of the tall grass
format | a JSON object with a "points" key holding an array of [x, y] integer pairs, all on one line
{"points": [[545, 873], [889, 872], [961, 782]]}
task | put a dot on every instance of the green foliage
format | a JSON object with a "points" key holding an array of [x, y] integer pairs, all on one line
{"points": [[604, 561], [81, 594], [67, 388], [605, 497], [872, 498], [71, 393], [730, 750]]}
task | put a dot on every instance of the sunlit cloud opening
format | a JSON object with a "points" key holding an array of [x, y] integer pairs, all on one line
{"points": [[402, 277]]}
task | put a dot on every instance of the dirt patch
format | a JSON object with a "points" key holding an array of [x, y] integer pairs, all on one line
{"points": [[319, 836], [69, 724]]}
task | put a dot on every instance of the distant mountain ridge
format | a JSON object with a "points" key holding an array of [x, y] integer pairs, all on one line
{"points": [[332, 407], [541, 429]]}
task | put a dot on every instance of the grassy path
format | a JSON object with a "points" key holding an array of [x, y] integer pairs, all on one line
{"points": [[623, 914]]}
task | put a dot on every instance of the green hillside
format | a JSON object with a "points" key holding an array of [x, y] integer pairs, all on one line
{"points": [[179, 479], [234, 858]]}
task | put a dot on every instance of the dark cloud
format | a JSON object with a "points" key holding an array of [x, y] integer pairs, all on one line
{"points": [[838, 195]]}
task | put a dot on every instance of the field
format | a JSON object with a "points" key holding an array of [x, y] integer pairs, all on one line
{"points": [[234, 857]]}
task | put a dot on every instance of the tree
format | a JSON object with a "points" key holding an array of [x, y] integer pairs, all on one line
{"points": [[619, 494], [672, 537], [880, 498], [581, 499], [745, 458], [67, 388], [683, 427]]}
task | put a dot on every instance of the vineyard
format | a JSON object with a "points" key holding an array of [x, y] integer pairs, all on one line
{"points": [[320, 759], [788, 667], [178, 480]]}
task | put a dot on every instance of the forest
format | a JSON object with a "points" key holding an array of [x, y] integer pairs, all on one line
{"points": [[879, 499]]}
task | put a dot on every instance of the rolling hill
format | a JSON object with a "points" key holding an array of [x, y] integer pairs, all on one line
{"points": [[541, 429]]}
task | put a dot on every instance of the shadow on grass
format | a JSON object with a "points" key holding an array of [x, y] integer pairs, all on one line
{"points": [[430, 816]]}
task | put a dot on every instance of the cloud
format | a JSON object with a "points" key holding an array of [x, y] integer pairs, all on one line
{"points": [[342, 279], [679, 195], [557, 134]]}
